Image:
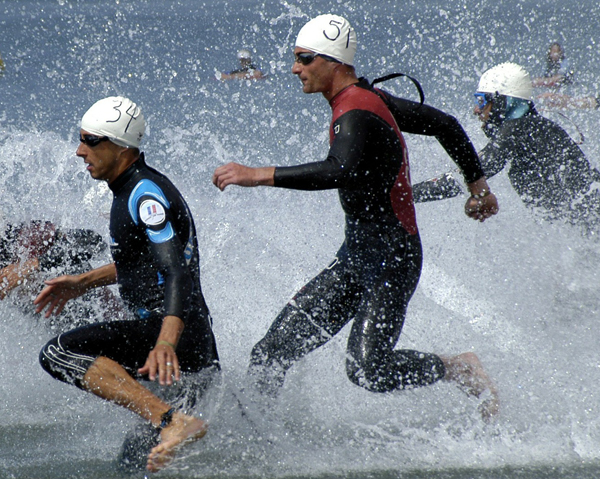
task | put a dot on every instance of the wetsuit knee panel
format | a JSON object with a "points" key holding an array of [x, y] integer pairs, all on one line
{"points": [[63, 364]]}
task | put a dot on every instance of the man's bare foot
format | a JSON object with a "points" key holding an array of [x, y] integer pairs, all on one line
{"points": [[181, 430], [467, 371]]}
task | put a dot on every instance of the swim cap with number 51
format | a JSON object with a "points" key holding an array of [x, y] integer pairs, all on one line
{"points": [[329, 35]]}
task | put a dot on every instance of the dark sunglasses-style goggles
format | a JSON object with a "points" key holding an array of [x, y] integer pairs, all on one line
{"points": [[306, 58], [92, 140], [482, 99]]}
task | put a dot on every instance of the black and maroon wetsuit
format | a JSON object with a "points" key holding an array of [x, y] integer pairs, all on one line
{"points": [[377, 268]]}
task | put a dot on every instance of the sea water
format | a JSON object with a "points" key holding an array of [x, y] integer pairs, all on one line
{"points": [[521, 293]]}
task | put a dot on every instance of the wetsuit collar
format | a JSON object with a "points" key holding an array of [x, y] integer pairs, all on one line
{"points": [[122, 179], [337, 95]]}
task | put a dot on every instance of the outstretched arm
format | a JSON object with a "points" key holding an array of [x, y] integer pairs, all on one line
{"points": [[60, 290], [236, 174]]}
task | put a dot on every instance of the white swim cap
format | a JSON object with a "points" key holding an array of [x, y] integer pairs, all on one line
{"points": [[507, 79], [329, 35], [118, 118], [244, 54]]}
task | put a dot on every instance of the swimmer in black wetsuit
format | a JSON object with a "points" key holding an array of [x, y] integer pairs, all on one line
{"points": [[545, 166], [246, 71], [377, 268], [156, 266], [30, 252]]}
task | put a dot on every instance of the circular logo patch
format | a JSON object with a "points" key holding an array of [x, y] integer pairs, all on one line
{"points": [[152, 212]]}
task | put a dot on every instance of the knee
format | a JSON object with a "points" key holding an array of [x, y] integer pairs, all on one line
{"points": [[272, 354], [62, 364], [46, 354]]}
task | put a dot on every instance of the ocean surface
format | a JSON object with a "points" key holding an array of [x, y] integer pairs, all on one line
{"points": [[521, 293]]}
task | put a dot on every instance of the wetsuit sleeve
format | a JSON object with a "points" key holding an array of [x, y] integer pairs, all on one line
{"points": [[492, 159], [154, 214], [426, 120], [338, 170]]}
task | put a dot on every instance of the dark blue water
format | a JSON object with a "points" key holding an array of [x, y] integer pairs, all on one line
{"points": [[520, 293]]}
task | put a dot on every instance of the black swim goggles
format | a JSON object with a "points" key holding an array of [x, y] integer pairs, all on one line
{"points": [[92, 140], [482, 99], [306, 58]]}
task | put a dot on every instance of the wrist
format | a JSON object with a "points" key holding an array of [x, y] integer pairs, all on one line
{"points": [[482, 194], [162, 342]]}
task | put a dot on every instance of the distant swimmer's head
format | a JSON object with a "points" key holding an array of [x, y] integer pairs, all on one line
{"points": [[244, 54], [507, 89], [329, 35], [117, 118], [556, 53]]}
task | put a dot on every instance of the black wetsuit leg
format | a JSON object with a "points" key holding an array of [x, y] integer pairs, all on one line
{"points": [[371, 282], [68, 356], [315, 314], [388, 267]]}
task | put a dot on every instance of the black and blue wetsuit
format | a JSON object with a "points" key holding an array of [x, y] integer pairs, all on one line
{"points": [[377, 268], [155, 251]]}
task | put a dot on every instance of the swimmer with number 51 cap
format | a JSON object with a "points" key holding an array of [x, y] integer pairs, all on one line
{"points": [[377, 268], [330, 36]]}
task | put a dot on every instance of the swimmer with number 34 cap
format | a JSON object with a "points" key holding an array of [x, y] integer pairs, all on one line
{"points": [[156, 266]]}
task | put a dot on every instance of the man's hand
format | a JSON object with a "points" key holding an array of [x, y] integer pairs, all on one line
{"points": [[56, 294], [236, 174], [60, 290], [481, 208], [482, 203], [12, 275], [162, 362]]}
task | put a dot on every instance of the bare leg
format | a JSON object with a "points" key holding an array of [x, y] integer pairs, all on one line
{"points": [[467, 371], [109, 380]]}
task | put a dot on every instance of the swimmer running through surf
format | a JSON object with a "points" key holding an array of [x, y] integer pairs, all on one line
{"points": [[156, 265], [376, 270]]}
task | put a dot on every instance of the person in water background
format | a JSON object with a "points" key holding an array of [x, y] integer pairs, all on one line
{"points": [[246, 71], [564, 101], [558, 71]]}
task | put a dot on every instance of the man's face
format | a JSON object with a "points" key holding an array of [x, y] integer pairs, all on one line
{"points": [[555, 53], [317, 76], [484, 113], [102, 160]]}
